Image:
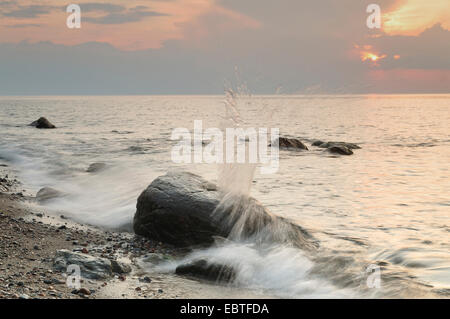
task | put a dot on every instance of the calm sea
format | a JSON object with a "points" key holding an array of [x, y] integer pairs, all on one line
{"points": [[386, 205]]}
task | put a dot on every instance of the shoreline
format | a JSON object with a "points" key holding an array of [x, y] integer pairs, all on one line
{"points": [[30, 241]]}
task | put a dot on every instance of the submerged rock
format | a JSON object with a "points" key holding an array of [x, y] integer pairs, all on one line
{"points": [[183, 209], [48, 193], [210, 271], [317, 143], [340, 149], [96, 167], [42, 122], [285, 142], [350, 146], [91, 267]]}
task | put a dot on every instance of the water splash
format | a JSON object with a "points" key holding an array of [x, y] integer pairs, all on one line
{"points": [[235, 178]]}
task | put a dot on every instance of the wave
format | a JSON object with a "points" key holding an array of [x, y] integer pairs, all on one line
{"points": [[277, 270], [106, 198]]}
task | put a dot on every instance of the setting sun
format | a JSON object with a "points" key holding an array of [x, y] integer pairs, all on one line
{"points": [[368, 56]]}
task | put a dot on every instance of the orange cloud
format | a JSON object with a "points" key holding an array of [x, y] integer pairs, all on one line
{"points": [[412, 17], [127, 25]]}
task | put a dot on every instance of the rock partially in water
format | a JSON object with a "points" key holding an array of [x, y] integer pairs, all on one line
{"points": [[179, 208], [48, 193], [42, 122], [91, 267], [350, 146], [317, 143], [340, 149], [96, 167], [205, 270], [293, 143]]}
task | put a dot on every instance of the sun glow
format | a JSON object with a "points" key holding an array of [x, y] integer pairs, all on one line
{"points": [[369, 56]]}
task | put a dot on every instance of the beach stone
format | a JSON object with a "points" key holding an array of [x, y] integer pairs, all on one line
{"points": [[340, 149], [285, 142], [42, 122], [96, 167], [210, 271], [146, 279], [84, 291], [47, 193], [91, 267], [181, 209], [120, 267]]}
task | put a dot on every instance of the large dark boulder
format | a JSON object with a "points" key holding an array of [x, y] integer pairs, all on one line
{"points": [[42, 123], [184, 210], [211, 271], [290, 143]]}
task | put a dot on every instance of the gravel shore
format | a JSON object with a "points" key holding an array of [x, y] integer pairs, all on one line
{"points": [[30, 240]]}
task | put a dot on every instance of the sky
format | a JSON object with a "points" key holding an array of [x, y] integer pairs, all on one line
{"points": [[206, 46]]}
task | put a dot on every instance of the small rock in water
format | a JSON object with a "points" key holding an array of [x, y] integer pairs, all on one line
{"points": [[317, 143], [42, 122], [47, 193], [209, 271], [340, 149], [350, 146], [96, 167], [284, 142]]}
